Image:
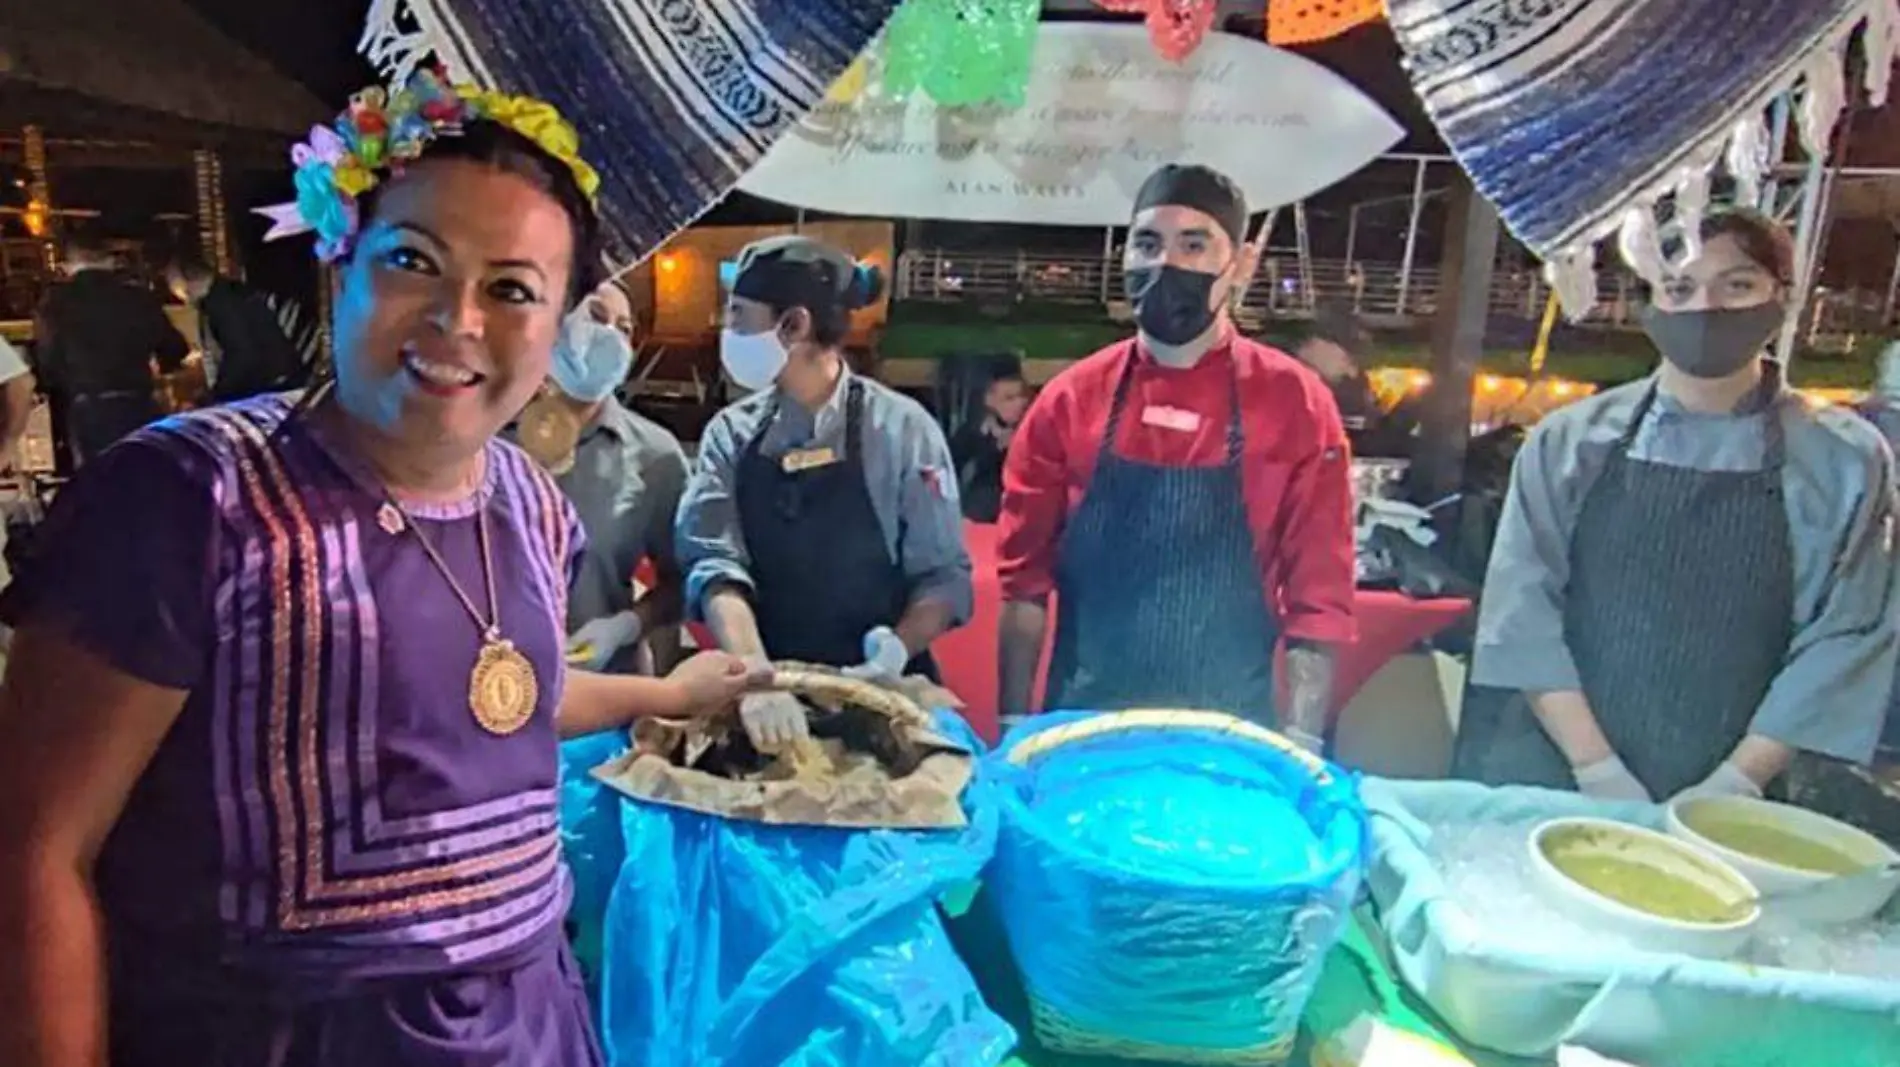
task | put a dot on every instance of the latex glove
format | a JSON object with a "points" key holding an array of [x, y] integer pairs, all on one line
{"points": [[1728, 780], [1006, 723], [885, 656], [1312, 743], [774, 721], [1608, 779], [593, 644]]}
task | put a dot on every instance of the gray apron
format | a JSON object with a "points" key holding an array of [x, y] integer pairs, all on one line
{"points": [[1679, 613], [1160, 602]]}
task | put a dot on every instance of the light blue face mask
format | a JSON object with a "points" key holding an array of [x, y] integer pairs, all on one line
{"points": [[591, 358]]}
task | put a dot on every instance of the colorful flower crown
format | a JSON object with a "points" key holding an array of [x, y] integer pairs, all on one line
{"points": [[382, 131]]}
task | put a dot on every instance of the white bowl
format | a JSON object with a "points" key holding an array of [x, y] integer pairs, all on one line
{"points": [[1860, 900], [1667, 855]]}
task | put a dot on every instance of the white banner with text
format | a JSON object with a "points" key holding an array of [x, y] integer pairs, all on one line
{"points": [[1102, 111]]}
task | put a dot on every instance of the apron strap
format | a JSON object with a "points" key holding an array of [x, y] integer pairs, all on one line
{"points": [[1628, 437], [1774, 453], [1774, 433], [1120, 399], [765, 426], [854, 424], [1236, 433]]}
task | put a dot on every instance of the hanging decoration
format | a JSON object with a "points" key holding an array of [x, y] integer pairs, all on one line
{"points": [[679, 97], [1176, 26], [214, 232], [961, 52], [1291, 22], [1577, 117]]}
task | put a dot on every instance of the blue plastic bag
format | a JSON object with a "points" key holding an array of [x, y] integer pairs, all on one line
{"points": [[1170, 891], [590, 841], [737, 944]]}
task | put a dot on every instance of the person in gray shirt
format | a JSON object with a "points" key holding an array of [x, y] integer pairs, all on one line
{"points": [[1882, 409], [1694, 578], [624, 475], [821, 521]]}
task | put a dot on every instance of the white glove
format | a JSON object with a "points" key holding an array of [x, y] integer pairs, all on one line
{"points": [[1608, 779], [600, 639], [885, 656], [1728, 780], [774, 721]]}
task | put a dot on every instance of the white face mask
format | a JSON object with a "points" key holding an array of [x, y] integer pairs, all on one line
{"points": [[752, 360]]}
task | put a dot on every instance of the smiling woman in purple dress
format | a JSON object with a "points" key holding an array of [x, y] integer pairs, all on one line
{"points": [[278, 738]]}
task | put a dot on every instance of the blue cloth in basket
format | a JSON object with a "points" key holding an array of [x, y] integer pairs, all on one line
{"points": [[590, 841], [1171, 888], [738, 944]]}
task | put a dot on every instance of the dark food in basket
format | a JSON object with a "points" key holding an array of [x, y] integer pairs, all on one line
{"points": [[850, 720]]}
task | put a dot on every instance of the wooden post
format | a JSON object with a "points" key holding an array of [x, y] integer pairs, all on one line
{"points": [[214, 233], [1458, 325], [39, 194]]}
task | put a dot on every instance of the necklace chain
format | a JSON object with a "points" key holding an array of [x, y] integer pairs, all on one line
{"points": [[491, 630]]}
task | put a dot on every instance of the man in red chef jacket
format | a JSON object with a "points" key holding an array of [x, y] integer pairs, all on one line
{"points": [[1185, 493]]}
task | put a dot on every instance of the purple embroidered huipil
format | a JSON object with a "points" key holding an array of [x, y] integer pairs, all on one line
{"points": [[328, 860]]}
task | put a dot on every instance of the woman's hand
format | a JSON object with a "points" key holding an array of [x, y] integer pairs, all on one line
{"points": [[712, 682]]}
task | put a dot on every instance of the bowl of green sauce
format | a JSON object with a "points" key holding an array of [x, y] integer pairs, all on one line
{"points": [[1784, 851], [1655, 891]]}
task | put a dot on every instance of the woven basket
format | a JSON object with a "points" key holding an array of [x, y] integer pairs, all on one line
{"points": [[1112, 897], [1055, 1031]]}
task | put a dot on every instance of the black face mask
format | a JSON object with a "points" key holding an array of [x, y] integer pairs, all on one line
{"points": [[1714, 343], [1171, 304]]}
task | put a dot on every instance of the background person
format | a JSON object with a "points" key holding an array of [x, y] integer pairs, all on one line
{"points": [[1186, 494], [981, 444], [246, 348], [626, 478], [821, 521], [97, 336], [1693, 579], [1334, 345]]}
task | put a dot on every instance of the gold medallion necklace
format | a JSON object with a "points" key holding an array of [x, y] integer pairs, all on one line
{"points": [[502, 688], [549, 433]]}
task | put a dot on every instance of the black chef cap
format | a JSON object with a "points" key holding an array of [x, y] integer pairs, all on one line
{"points": [[1202, 188], [793, 271]]}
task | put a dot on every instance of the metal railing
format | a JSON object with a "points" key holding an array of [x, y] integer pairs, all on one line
{"points": [[1382, 293]]}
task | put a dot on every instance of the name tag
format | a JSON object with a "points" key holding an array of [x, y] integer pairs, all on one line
{"points": [[804, 459], [1170, 418]]}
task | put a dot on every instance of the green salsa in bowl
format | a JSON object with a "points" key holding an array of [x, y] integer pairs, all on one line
{"points": [[1788, 853], [1656, 892]]}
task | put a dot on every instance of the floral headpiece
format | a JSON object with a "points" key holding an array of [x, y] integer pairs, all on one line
{"points": [[382, 131]]}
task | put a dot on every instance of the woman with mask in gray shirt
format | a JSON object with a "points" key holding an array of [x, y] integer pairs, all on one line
{"points": [[1693, 573]]}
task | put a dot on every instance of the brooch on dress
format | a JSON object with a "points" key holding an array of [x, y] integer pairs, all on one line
{"points": [[389, 517]]}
